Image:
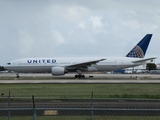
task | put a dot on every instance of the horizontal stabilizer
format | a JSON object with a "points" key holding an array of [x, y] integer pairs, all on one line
{"points": [[144, 60]]}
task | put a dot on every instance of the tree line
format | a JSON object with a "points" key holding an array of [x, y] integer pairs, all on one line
{"points": [[2, 68]]}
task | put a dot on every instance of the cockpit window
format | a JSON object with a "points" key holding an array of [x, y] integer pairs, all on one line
{"points": [[8, 63]]}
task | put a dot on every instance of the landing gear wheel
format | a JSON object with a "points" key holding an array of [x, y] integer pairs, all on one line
{"points": [[76, 76], [83, 76], [79, 76]]}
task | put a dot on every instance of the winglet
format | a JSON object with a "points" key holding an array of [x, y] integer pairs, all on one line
{"points": [[140, 49]]}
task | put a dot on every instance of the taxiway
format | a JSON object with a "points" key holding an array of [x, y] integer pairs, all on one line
{"points": [[9, 78]]}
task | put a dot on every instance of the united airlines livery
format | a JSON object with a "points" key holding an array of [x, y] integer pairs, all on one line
{"points": [[61, 66]]}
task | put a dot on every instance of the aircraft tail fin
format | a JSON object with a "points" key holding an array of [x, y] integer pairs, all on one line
{"points": [[140, 49]]}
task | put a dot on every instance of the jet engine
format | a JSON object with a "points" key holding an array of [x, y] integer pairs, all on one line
{"points": [[58, 71]]}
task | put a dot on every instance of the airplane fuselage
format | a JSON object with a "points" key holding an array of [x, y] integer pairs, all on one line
{"points": [[38, 65]]}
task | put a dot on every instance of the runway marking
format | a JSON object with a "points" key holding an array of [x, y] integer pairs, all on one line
{"points": [[50, 112]]}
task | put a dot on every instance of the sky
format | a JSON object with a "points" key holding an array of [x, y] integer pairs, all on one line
{"points": [[67, 28]]}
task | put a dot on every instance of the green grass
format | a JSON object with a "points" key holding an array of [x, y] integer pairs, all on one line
{"points": [[82, 90], [83, 118]]}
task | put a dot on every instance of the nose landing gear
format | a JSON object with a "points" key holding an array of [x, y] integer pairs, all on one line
{"points": [[17, 75]]}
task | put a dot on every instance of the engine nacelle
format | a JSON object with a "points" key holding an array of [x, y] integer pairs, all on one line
{"points": [[58, 70]]}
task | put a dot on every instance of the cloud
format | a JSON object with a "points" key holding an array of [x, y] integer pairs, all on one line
{"points": [[133, 24], [25, 43], [96, 21], [57, 37], [71, 14], [81, 25], [76, 27], [97, 24]]}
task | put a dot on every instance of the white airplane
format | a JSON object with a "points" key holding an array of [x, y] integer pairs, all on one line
{"points": [[61, 66]]}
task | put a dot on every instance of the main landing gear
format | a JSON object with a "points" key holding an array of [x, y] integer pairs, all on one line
{"points": [[79, 74]]}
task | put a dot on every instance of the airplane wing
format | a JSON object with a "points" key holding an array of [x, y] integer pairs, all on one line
{"points": [[143, 60], [84, 64]]}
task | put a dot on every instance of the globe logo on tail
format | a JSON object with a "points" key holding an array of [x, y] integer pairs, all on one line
{"points": [[136, 52]]}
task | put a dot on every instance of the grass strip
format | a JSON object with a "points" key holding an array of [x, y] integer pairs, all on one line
{"points": [[83, 118], [82, 90]]}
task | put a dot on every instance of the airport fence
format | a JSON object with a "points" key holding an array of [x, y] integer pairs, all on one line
{"points": [[33, 108]]}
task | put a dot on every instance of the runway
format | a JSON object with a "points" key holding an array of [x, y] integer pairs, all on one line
{"points": [[79, 81], [9, 78], [86, 103], [81, 107]]}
